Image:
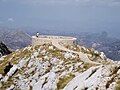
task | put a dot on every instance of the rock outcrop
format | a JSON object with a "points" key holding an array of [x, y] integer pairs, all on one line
{"points": [[3, 49], [46, 67]]}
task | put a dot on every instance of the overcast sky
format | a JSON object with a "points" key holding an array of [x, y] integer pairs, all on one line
{"points": [[69, 15]]}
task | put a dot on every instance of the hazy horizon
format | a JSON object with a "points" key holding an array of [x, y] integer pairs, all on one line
{"points": [[62, 15]]}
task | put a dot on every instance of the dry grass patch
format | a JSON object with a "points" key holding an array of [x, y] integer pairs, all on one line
{"points": [[64, 81], [118, 86], [14, 58]]}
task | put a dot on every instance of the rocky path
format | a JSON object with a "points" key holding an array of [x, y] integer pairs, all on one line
{"points": [[82, 56]]}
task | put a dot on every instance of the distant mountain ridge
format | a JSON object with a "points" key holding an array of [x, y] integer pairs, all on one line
{"points": [[14, 39], [101, 42]]}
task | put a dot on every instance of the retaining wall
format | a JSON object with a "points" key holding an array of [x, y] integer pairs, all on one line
{"points": [[48, 40]]}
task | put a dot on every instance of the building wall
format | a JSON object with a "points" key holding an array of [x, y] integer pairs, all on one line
{"points": [[48, 40]]}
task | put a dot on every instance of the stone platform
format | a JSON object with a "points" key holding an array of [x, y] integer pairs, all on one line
{"points": [[44, 39]]}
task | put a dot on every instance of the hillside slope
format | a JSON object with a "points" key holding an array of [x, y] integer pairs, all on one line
{"points": [[48, 68]]}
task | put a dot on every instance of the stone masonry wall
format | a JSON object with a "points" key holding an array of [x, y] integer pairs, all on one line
{"points": [[48, 40]]}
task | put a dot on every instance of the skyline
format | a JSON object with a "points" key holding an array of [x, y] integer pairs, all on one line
{"points": [[69, 15]]}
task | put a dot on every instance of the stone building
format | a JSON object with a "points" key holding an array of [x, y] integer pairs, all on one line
{"points": [[44, 39]]}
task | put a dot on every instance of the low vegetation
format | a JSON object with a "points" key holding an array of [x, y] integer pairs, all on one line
{"points": [[64, 80], [41, 60], [117, 86]]}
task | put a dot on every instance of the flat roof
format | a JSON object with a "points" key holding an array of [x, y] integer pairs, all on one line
{"points": [[54, 37]]}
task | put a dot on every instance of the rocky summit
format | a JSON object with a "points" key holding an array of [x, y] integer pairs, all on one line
{"points": [[45, 67]]}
